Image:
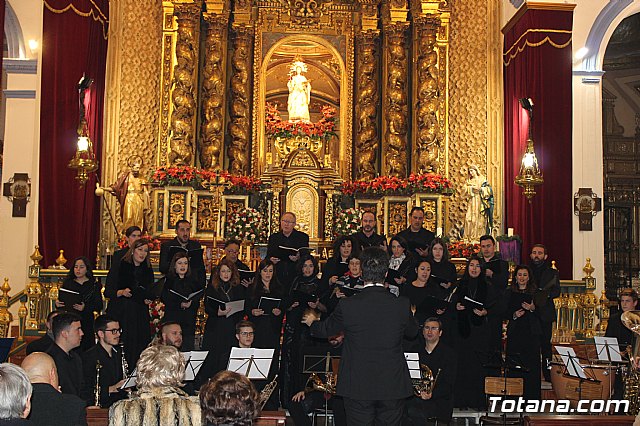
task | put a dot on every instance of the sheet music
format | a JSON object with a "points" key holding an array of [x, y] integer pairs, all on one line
{"points": [[571, 361], [413, 362], [256, 361], [131, 380], [194, 361], [608, 349], [235, 306]]}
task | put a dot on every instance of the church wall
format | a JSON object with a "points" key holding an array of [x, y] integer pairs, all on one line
{"points": [[21, 97]]}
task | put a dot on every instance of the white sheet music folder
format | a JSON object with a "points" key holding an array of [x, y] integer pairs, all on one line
{"points": [[194, 361]]}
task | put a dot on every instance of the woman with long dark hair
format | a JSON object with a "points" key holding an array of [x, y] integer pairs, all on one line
{"points": [[401, 263], [223, 287], [267, 322], [344, 247], [129, 300], [475, 301], [81, 285], [442, 270], [524, 330], [178, 307]]}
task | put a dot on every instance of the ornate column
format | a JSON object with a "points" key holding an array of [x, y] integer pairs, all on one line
{"points": [[213, 87], [239, 112], [395, 104], [184, 83], [430, 88], [367, 100]]}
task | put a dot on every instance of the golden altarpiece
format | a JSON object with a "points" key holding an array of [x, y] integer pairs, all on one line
{"points": [[383, 66]]}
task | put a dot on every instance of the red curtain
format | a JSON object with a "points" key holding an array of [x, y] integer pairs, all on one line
{"points": [[537, 65], [73, 43]]}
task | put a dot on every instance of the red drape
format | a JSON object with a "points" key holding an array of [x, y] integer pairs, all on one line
{"points": [[73, 44], [537, 65]]}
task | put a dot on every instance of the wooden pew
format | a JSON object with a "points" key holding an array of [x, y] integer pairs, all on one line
{"points": [[100, 417]]}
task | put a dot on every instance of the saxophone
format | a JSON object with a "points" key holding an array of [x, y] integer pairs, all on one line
{"points": [[265, 393], [96, 390], [631, 320]]}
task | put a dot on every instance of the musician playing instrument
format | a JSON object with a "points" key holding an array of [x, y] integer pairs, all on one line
{"points": [[436, 405], [312, 397], [110, 379]]}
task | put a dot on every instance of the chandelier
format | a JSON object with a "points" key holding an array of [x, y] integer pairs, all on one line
{"points": [[530, 175]]}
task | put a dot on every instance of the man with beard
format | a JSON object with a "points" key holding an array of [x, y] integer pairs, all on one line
{"points": [[416, 235], [170, 333], [549, 285], [110, 359], [367, 236], [496, 271], [182, 243]]}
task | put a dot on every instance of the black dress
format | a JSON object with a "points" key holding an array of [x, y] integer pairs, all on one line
{"points": [[268, 326], [472, 343], [132, 312], [220, 331], [91, 295], [173, 310], [523, 345]]}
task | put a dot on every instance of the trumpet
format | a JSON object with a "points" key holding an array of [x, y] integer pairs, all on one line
{"points": [[426, 382], [96, 390], [265, 393]]}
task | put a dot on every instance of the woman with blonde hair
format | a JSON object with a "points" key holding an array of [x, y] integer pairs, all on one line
{"points": [[159, 400]]}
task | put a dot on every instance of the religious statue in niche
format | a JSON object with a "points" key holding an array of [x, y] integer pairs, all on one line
{"points": [[479, 218], [132, 193], [299, 91]]}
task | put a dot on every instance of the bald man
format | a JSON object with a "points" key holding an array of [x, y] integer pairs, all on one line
{"points": [[48, 406]]}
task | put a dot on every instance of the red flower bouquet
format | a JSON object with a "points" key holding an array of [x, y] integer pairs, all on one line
{"points": [[203, 179], [275, 127], [391, 185]]}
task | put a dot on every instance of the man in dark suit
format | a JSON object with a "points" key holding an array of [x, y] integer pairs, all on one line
{"points": [[496, 271], [67, 333], [50, 407], [285, 259], [196, 262], [111, 379], [132, 234], [416, 235], [44, 343], [374, 378], [549, 284], [366, 236]]}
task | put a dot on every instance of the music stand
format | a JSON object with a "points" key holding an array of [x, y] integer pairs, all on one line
{"points": [[194, 361], [608, 350], [251, 362], [321, 364], [503, 365], [130, 381], [5, 347], [573, 368]]}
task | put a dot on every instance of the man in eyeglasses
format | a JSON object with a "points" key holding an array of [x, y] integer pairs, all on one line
{"points": [[245, 334], [108, 332], [434, 406]]}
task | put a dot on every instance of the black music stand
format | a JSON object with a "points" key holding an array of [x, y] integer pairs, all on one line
{"points": [[320, 364], [251, 362]]}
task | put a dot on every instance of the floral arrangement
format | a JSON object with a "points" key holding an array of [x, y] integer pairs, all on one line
{"points": [[154, 243], [509, 238], [347, 222], [246, 224], [276, 127], [156, 313], [391, 185], [202, 179], [463, 249]]}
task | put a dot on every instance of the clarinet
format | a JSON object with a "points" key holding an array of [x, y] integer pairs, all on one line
{"points": [[96, 391], [125, 366]]}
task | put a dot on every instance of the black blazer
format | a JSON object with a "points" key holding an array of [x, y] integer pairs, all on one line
{"points": [[374, 322], [110, 374], [52, 408]]}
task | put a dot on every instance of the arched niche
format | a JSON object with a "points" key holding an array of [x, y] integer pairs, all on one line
{"points": [[329, 73], [13, 34]]}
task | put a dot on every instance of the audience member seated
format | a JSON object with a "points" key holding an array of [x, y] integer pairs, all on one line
{"points": [[159, 399], [111, 376], [229, 398], [44, 343], [15, 395], [67, 333], [50, 407]]}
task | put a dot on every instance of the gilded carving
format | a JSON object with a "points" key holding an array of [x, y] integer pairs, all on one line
{"points": [[177, 206], [212, 94], [429, 133], [206, 214], [396, 100], [367, 106], [181, 135], [397, 217], [303, 201], [430, 214], [239, 127], [160, 212]]}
